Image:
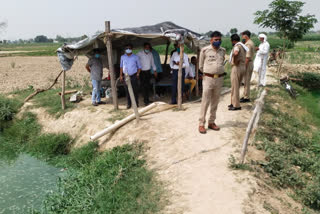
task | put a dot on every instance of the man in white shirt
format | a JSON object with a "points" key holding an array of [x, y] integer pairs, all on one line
{"points": [[260, 62], [147, 62], [174, 64], [191, 73]]}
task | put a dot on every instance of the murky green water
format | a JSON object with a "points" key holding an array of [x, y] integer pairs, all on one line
{"points": [[24, 184]]}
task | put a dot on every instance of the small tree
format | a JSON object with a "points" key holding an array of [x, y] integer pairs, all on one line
{"points": [[233, 31], [284, 17], [41, 39]]}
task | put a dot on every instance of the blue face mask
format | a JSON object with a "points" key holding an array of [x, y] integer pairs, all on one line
{"points": [[146, 51], [216, 44], [97, 56], [128, 51], [178, 50]]}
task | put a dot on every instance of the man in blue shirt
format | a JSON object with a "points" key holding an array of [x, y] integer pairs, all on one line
{"points": [[130, 64]]}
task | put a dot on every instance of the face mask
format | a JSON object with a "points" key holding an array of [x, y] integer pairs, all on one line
{"points": [[178, 50], [216, 44], [233, 44], [146, 51], [128, 51], [243, 41], [97, 56]]}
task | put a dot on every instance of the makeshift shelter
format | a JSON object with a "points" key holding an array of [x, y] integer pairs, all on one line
{"points": [[111, 43]]}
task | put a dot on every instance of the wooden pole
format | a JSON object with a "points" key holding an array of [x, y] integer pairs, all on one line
{"points": [[197, 73], [132, 97], [46, 89], [180, 77], [166, 57], [63, 101], [254, 120], [124, 121], [110, 63]]}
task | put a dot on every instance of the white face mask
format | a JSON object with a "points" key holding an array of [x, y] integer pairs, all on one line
{"points": [[128, 51]]}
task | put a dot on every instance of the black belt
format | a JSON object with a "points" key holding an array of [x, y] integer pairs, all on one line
{"points": [[135, 74], [178, 69], [215, 76]]}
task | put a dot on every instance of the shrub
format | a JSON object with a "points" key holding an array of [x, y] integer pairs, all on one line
{"points": [[309, 80]]}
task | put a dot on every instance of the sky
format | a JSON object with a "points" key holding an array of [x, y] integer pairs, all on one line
{"points": [[68, 18]]}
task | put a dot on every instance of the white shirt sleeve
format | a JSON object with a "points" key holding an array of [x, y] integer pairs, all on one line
{"points": [[185, 61], [264, 48]]}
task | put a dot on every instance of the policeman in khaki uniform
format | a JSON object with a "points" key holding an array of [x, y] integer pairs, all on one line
{"points": [[238, 61], [212, 65], [249, 65]]}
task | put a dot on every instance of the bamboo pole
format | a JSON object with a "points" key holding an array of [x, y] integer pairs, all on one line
{"points": [[124, 121], [42, 90], [197, 73], [63, 101], [180, 76], [252, 123], [110, 63], [166, 57], [132, 97]]}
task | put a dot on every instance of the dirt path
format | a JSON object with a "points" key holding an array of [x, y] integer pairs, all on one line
{"points": [[195, 166]]}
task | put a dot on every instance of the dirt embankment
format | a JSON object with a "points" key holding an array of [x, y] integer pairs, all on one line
{"points": [[194, 167]]}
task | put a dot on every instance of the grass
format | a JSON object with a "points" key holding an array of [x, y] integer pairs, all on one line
{"points": [[48, 49], [33, 49], [303, 57], [289, 136], [117, 115], [116, 181], [50, 100]]}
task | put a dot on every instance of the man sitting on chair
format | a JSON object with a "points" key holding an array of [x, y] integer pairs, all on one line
{"points": [[191, 73]]}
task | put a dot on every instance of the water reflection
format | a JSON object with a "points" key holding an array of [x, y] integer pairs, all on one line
{"points": [[24, 184]]}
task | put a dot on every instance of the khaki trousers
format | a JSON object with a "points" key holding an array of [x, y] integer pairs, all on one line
{"points": [[247, 80], [237, 73], [192, 82], [210, 96]]}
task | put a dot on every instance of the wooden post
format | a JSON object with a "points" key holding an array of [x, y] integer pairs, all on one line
{"points": [[124, 121], [166, 57], [253, 121], [197, 73], [180, 76], [110, 63], [132, 97], [63, 101]]}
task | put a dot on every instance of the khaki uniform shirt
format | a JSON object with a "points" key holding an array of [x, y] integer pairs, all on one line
{"points": [[240, 59], [252, 47], [212, 60]]}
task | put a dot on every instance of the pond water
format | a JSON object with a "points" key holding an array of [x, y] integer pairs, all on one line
{"points": [[24, 184]]}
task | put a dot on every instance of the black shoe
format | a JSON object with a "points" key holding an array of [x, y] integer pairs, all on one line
{"points": [[173, 103], [244, 100], [94, 104], [102, 103], [229, 106], [234, 108], [128, 106]]}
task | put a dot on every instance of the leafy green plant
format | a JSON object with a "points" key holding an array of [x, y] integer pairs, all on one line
{"points": [[291, 146]]}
